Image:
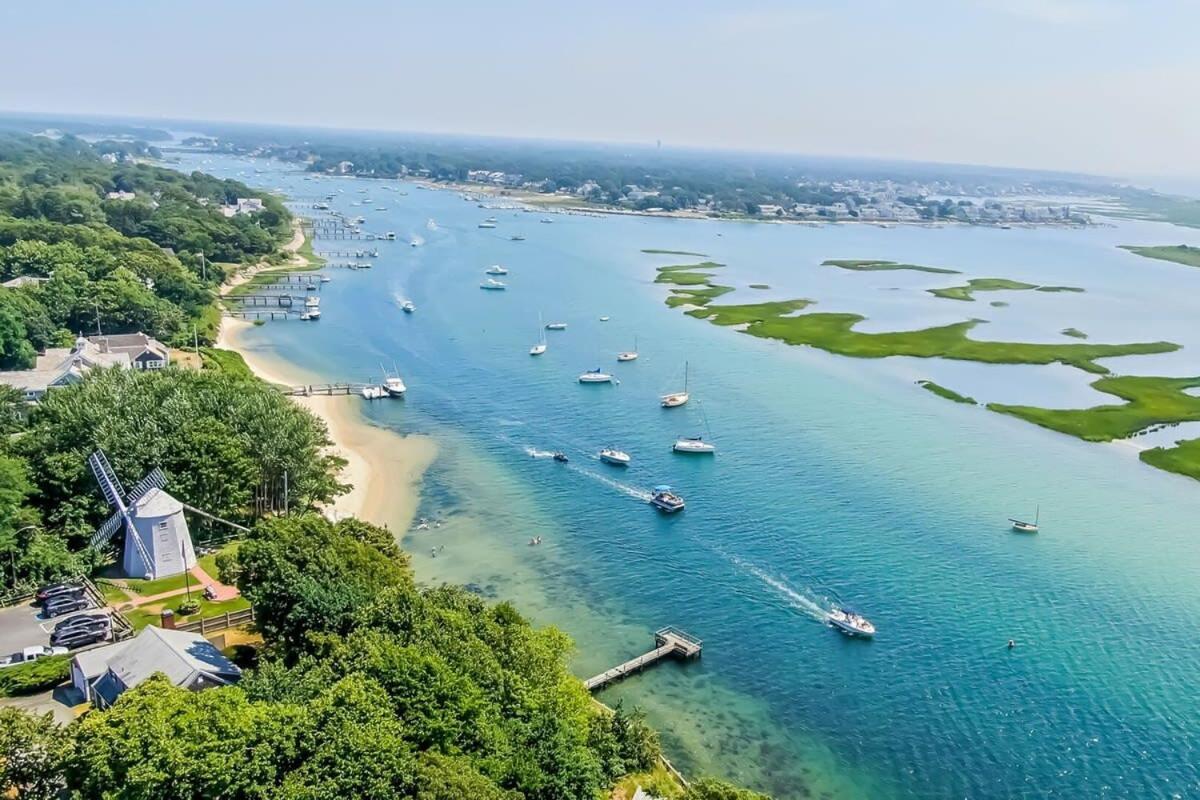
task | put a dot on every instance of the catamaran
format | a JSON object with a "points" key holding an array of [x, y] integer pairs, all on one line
{"points": [[595, 376], [851, 623], [618, 458], [629, 355], [1021, 526], [694, 445], [676, 399]]}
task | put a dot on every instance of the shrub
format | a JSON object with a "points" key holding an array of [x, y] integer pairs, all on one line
{"points": [[35, 676]]}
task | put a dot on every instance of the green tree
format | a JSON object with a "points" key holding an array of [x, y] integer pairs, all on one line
{"points": [[16, 351], [713, 789], [33, 751]]}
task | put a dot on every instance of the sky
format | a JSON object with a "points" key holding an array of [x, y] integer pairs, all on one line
{"points": [[1108, 87]]}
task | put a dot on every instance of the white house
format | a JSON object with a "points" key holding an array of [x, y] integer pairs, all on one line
{"points": [[188, 660], [145, 352], [120, 195]]}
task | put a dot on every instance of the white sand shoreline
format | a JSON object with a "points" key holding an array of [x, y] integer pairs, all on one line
{"points": [[383, 467]]}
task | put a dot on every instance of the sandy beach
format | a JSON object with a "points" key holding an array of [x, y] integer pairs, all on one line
{"points": [[383, 467]]}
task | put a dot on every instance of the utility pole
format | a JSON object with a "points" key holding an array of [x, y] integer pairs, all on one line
{"points": [[98, 333], [285, 493], [203, 268], [187, 573], [195, 340]]}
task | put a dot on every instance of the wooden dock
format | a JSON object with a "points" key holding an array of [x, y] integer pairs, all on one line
{"points": [[668, 642], [324, 389]]}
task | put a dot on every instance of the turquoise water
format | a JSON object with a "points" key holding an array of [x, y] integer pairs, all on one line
{"points": [[837, 480]]}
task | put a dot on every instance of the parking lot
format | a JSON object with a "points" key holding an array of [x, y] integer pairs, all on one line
{"points": [[22, 626]]}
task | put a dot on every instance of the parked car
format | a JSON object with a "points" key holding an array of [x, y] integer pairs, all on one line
{"points": [[84, 621], [80, 637], [31, 654], [59, 590], [57, 606], [103, 628]]}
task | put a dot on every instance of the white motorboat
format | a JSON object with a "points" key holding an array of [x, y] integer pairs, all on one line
{"points": [[390, 236], [306, 316], [595, 376], [545, 220], [326, 279], [694, 445], [618, 458], [373, 392], [629, 355], [312, 301], [1021, 526], [851, 623], [556, 326], [313, 313], [676, 399], [394, 386], [493, 284], [408, 307], [496, 269], [604, 319], [487, 224], [666, 500]]}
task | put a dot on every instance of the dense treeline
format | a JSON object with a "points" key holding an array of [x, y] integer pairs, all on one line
{"points": [[224, 443], [122, 265], [367, 686]]}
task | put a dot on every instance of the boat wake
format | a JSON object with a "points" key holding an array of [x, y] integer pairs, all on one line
{"points": [[417, 241], [799, 599], [533, 452], [623, 488]]}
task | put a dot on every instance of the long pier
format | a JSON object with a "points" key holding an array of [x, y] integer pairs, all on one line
{"points": [[668, 642], [329, 389]]}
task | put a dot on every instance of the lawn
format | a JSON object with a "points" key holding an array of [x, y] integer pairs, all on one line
{"points": [[208, 562], [151, 613], [866, 265], [227, 361], [1178, 254]]}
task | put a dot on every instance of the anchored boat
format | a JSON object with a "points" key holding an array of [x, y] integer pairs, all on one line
{"points": [[493, 285], [676, 399], [694, 445], [618, 458], [595, 376], [1021, 526]]}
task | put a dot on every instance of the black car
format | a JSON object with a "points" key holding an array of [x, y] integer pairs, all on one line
{"points": [[47, 593], [79, 637], [84, 621], [58, 606]]}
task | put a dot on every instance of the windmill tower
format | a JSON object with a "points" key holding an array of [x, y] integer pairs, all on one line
{"points": [[157, 542]]}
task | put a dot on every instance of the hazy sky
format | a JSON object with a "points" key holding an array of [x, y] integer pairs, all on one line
{"points": [[1106, 86]]}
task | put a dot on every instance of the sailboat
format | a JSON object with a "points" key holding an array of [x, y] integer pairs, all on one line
{"points": [[1021, 526], [677, 399], [629, 355], [540, 347]]}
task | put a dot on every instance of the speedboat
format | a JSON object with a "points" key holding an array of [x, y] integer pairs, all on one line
{"points": [[618, 458], [496, 269], [394, 386], [556, 326], [313, 313], [604, 319], [373, 392], [666, 500], [1021, 526], [390, 236], [493, 284], [595, 376], [560, 457], [487, 224], [851, 623], [312, 301], [695, 445], [407, 307]]}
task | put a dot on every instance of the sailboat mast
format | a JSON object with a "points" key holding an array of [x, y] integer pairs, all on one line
{"points": [[685, 377]]}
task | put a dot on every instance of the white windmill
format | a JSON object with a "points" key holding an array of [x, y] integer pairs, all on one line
{"points": [[157, 541]]}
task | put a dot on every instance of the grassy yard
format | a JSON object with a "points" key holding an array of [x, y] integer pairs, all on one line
{"points": [[1178, 254], [151, 613], [227, 361], [866, 265]]}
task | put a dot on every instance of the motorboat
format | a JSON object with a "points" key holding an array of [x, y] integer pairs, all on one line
{"points": [[516, 237], [1021, 526], [556, 326], [666, 500], [604, 319], [629, 355], [373, 392], [851, 623], [496, 269], [694, 445], [560, 457], [676, 399], [595, 376], [493, 284], [408, 307], [545, 220], [618, 458], [306, 316], [313, 313], [326, 279], [312, 301], [487, 225], [390, 236], [394, 386]]}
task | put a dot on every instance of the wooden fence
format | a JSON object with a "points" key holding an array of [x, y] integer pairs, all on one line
{"points": [[220, 622]]}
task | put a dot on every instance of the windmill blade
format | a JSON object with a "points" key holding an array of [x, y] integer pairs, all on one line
{"points": [[105, 532], [155, 480], [109, 484]]}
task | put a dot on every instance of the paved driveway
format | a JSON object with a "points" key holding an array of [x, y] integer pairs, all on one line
{"points": [[22, 626]]}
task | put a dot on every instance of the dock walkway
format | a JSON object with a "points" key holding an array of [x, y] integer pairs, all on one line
{"points": [[669, 641]]}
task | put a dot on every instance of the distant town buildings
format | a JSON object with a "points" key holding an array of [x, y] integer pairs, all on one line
{"points": [[244, 205], [120, 195]]}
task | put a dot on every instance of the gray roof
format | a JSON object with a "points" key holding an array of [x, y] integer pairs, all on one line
{"points": [[156, 503], [185, 658]]}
